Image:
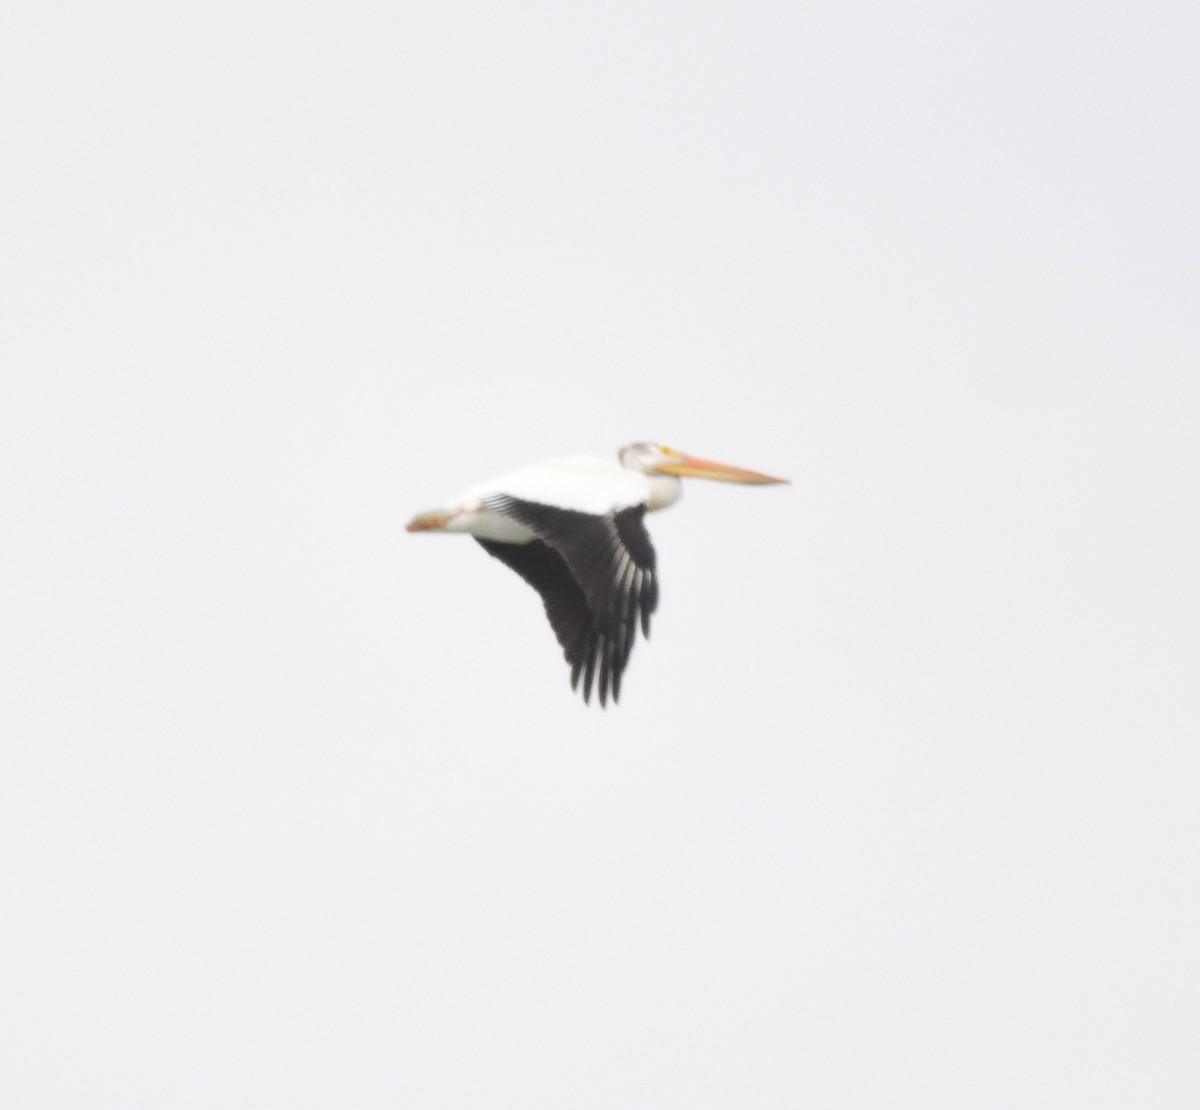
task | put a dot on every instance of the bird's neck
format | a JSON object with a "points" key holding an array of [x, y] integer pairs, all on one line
{"points": [[665, 490]]}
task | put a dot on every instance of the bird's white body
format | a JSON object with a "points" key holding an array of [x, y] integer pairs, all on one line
{"points": [[582, 484]]}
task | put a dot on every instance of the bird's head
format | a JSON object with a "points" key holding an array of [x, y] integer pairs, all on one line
{"points": [[655, 458]]}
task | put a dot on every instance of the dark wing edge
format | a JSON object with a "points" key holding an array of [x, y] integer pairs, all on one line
{"points": [[566, 606], [599, 586]]}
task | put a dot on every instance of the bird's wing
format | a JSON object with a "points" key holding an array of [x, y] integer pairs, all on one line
{"points": [[596, 575], [566, 606]]}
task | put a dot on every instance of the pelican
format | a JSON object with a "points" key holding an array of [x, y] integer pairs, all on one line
{"points": [[575, 530]]}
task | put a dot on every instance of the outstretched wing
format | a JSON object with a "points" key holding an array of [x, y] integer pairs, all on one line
{"points": [[596, 575]]}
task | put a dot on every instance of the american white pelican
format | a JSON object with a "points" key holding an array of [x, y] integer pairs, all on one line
{"points": [[575, 530]]}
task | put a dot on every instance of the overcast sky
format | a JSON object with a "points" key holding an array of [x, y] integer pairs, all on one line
{"points": [[899, 807]]}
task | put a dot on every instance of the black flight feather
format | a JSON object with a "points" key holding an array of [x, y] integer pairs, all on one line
{"points": [[596, 576]]}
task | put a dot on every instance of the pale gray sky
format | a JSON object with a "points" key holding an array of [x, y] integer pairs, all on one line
{"points": [[899, 807]]}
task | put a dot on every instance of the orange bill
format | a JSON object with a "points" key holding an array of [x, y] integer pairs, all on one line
{"points": [[688, 466]]}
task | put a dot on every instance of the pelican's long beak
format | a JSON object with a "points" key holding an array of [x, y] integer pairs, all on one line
{"points": [[688, 466]]}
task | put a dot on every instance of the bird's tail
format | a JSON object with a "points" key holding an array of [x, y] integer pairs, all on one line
{"points": [[435, 520]]}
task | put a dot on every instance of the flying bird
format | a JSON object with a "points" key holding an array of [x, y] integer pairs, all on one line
{"points": [[575, 530]]}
